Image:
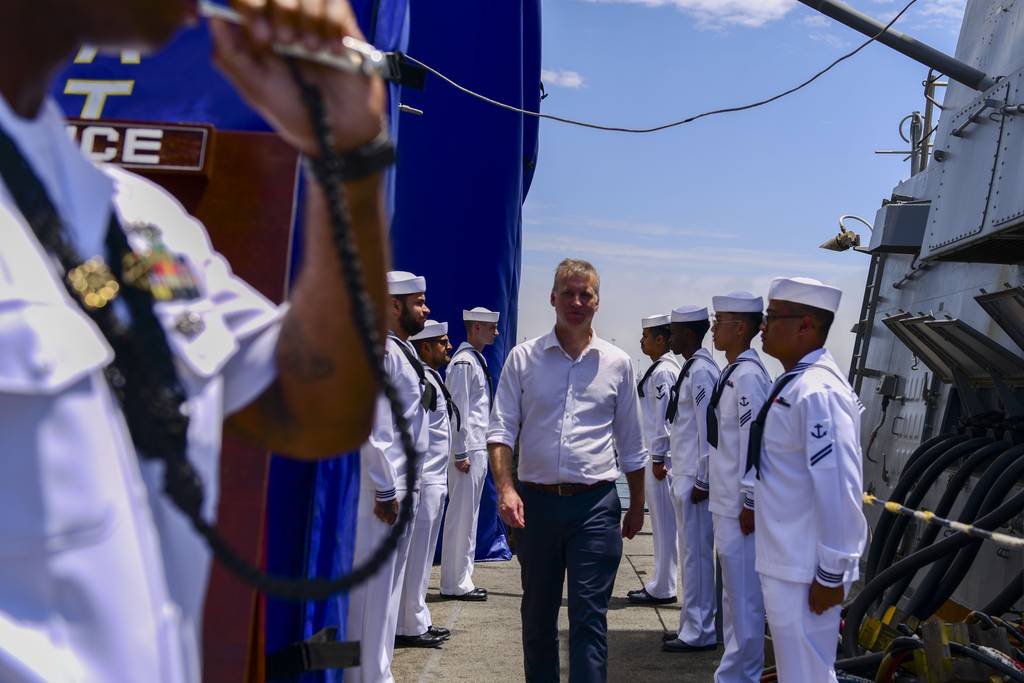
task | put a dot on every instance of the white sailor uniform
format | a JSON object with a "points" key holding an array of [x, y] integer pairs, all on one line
{"points": [[689, 466], [470, 386], [809, 519], [740, 393], [101, 578], [374, 605], [655, 389], [414, 616]]}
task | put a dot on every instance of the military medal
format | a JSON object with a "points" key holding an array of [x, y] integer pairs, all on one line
{"points": [[156, 269], [94, 283]]}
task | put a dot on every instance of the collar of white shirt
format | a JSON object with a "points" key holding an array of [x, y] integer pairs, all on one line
{"points": [[598, 345]]}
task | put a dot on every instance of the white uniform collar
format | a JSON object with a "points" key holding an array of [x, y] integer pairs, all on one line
{"points": [[669, 357], [465, 346], [703, 353], [817, 356], [88, 193], [398, 339]]}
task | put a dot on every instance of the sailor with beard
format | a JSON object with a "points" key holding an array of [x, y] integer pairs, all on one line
{"points": [[374, 605]]}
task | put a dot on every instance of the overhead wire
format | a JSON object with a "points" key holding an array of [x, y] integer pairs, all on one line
{"points": [[672, 124]]}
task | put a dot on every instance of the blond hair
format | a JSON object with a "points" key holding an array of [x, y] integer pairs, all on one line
{"points": [[572, 267]]}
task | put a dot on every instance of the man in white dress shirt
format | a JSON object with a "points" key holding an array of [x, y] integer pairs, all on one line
{"points": [[415, 628], [687, 412], [805, 450], [569, 397], [738, 396], [102, 578], [654, 389], [469, 381], [374, 605]]}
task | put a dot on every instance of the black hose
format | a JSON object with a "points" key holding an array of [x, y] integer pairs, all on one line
{"points": [[953, 489], [914, 466], [988, 660], [858, 608], [961, 564], [1004, 602], [870, 661], [973, 508], [920, 489]]}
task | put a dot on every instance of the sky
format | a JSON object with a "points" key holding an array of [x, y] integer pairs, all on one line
{"points": [[729, 202]]}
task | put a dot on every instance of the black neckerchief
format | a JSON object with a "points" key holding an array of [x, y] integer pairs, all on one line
{"points": [[716, 397], [647, 375], [754, 444], [453, 410], [673, 398], [428, 397], [483, 366]]}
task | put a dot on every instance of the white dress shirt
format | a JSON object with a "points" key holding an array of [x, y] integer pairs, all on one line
{"points": [[732, 485], [101, 577], [571, 415], [689, 439], [654, 403], [435, 467], [467, 382], [809, 517], [382, 457]]}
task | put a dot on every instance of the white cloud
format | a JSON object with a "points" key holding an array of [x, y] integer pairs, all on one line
{"points": [[619, 226], [816, 20], [562, 78], [718, 13]]}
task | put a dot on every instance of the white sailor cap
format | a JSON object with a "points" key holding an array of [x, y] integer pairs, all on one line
{"points": [[480, 315], [430, 330], [689, 314], [655, 320], [401, 282], [737, 302], [807, 291]]}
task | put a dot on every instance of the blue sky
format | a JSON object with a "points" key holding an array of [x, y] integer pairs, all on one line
{"points": [[728, 202]]}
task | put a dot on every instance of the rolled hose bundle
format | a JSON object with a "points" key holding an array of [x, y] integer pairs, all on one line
{"points": [[916, 464], [953, 489], [858, 608]]}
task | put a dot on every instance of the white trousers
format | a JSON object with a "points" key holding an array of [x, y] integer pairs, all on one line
{"points": [[742, 606], [666, 539], [804, 642], [413, 614], [696, 543], [373, 605], [458, 548]]}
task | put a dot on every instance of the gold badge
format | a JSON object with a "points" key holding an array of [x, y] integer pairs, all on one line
{"points": [[94, 283]]}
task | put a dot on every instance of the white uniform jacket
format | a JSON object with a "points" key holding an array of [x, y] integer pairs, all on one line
{"points": [[382, 456], [689, 440], [435, 467], [732, 486], [101, 578], [467, 382], [656, 391], [809, 516]]}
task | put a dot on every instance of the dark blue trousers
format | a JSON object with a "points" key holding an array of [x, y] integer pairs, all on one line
{"points": [[580, 536]]}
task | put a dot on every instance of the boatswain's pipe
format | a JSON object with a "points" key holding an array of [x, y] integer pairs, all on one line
{"points": [[904, 44]]}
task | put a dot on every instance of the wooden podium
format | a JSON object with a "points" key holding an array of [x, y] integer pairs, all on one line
{"points": [[243, 187]]}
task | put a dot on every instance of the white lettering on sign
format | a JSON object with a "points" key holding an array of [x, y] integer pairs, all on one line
{"points": [[87, 54], [92, 134], [139, 142], [96, 94]]}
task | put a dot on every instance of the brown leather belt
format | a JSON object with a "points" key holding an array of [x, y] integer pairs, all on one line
{"points": [[566, 489]]}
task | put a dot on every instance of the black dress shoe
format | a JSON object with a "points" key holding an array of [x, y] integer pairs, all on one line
{"points": [[642, 597], [425, 640], [475, 595], [667, 636], [676, 645], [439, 632]]}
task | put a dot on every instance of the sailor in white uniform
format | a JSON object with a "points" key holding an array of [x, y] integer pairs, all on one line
{"points": [[687, 412], [654, 390], [101, 577], [738, 395], [472, 389], [415, 628], [374, 605], [805, 449]]}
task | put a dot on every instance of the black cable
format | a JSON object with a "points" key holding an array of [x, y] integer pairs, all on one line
{"points": [[933, 469], [1007, 597], [673, 124], [922, 454], [858, 608], [963, 560], [953, 489], [988, 660], [870, 661]]}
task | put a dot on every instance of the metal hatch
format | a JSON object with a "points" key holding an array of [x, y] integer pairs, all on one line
{"points": [[940, 366], [1007, 309]]}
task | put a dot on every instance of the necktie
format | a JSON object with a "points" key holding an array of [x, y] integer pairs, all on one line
{"points": [[647, 375]]}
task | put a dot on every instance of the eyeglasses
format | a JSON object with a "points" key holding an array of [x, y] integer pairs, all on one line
{"points": [[769, 317]]}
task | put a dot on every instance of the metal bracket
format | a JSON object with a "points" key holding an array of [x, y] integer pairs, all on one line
{"points": [[988, 103]]}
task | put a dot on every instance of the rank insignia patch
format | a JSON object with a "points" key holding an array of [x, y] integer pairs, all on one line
{"points": [[157, 270]]}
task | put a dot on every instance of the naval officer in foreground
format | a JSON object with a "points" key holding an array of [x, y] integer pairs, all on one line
{"points": [[805, 450], [569, 398]]}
